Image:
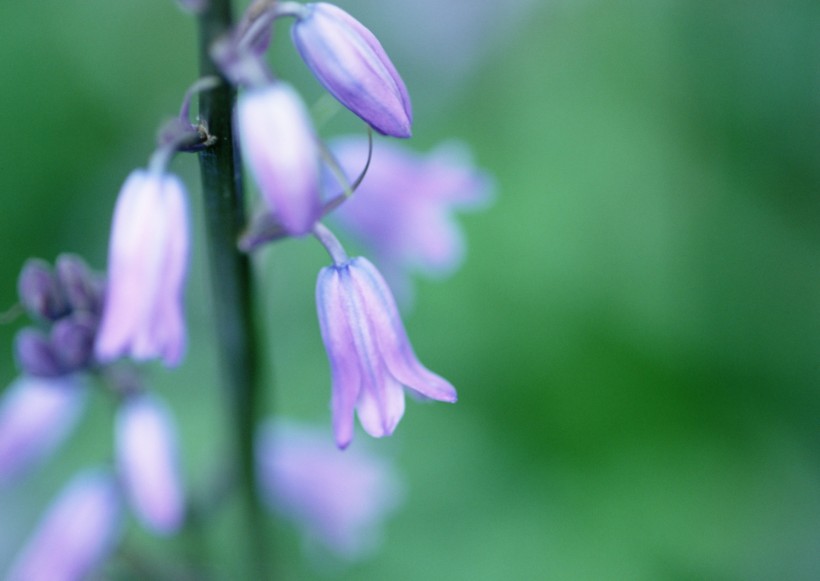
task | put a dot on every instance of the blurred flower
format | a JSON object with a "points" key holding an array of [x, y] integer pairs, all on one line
{"points": [[337, 499], [370, 354], [147, 457], [403, 210], [147, 262], [278, 141], [82, 288], [35, 354], [36, 415], [352, 65], [76, 534], [39, 291]]}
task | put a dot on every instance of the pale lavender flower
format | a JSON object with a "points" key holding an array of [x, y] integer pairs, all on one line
{"points": [[147, 458], [404, 209], [147, 263], [339, 500], [370, 355], [76, 534], [36, 415], [280, 147], [351, 64]]}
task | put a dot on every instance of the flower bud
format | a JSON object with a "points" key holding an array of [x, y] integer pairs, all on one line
{"points": [[76, 534], [78, 283], [279, 144], [36, 355], [36, 415], [147, 457], [72, 340], [352, 65], [39, 292]]}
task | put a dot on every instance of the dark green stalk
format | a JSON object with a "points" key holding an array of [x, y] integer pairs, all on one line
{"points": [[231, 277]]}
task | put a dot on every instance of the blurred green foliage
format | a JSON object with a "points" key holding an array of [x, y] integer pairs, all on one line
{"points": [[635, 334]]}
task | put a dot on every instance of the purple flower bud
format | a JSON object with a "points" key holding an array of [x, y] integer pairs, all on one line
{"points": [[147, 458], [76, 534], [280, 146], [72, 340], [78, 283], [147, 263], [352, 65], [404, 209], [36, 415], [39, 291], [370, 355], [36, 355], [337, 499]]}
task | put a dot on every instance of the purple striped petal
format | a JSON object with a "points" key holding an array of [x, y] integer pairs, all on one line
{"points": [[351, 64]]}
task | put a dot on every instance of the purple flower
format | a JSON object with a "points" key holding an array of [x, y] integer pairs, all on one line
{"points": [[147, 457], [403, 211], [40, 292], [76, 534], [279, 144], [36, 415], [370, 355], [147, 262], [337, 499], [351, 64]]}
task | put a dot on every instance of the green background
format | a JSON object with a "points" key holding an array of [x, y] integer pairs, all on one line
{"points": [[634, 335]]}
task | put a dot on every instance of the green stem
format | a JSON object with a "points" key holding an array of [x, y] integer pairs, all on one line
{"points": [[231, 277]]}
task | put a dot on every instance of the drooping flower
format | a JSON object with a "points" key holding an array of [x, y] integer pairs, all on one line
{"points": [[147, 458], [370, 355], [76, 534], [280, 147], [404, 209], [147, 263], [351, 64], [36, 415], [338, 500]]}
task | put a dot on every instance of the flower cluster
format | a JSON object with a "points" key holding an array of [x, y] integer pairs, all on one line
{"points": [[92, 329]]}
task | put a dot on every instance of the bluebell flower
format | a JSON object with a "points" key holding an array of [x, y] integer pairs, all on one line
{"points": [[404, 211], [279, 145], [36, 415], [351, 64], [77, 533], [338, 500], [148, 462], [147, 264], [371, 358]]}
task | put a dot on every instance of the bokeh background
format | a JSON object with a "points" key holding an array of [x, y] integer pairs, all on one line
{"points": [[634, 334]]}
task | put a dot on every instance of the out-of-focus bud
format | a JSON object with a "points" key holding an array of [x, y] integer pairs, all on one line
{"points": [[280, 146], [36, 355], [79, 284], [39, 292], [72, 340], [76, 534], [147, 457], [36, 415], [352, 65]]}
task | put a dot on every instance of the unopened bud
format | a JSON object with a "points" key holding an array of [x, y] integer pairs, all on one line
{"points": [[78, 283], [39, 292], [36, 355]]}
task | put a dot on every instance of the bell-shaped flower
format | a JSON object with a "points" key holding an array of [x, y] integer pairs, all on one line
{"points": [[339, 500], [280, 147], [351, 64], [404, 209], [147, 263], [78, 531], [370, 355], [147, 458], [36, 415]]}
